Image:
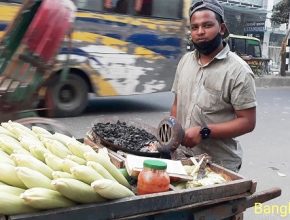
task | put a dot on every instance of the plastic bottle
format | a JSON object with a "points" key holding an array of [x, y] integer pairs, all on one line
{"points": [[153, 178]]}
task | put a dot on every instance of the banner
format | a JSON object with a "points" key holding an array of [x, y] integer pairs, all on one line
{"points": [[248, 2], [254, 27]]}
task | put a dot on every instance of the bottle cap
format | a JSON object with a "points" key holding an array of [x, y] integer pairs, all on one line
{"points": [[155, 164]]}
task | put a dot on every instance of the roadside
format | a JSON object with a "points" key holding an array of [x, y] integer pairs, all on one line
{"points": [[273, 80]]}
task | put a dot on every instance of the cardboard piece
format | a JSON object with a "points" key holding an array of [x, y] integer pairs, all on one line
{"points": [[134, 165]]}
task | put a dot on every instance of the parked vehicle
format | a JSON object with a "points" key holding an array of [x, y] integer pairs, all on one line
{"points": [[245, 46], [249, 48]]}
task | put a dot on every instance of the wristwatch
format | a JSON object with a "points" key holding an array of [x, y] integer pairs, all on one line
{"points": [[205, 132]]}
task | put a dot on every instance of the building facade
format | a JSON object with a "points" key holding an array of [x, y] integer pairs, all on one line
{"points": [[253, 18]]}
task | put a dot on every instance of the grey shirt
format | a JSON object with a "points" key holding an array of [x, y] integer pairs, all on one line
{"points": [[210, 94]]}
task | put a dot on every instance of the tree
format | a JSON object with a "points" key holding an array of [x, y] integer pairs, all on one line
{"points": [[283, 54], [281, 15], [281, 12]]}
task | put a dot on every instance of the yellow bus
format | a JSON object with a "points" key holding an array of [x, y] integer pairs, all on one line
{"points": [[120, 47]]}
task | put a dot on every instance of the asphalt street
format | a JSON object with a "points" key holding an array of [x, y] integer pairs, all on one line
{"points": [[266, 149]]}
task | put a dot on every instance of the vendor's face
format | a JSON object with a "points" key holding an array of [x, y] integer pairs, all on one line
{"points": [[205, 26]]}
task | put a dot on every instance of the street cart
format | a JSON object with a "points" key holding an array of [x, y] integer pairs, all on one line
{"points": [[217, 202], [221, 201]]}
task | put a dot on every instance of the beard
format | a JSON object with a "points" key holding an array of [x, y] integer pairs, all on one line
{"points": [[207, 47]]}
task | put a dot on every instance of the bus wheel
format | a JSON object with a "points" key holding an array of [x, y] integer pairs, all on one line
{"points": [[66, 98]]}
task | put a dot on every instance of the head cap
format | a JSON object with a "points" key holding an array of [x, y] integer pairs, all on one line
{"points": [[212, 5]]}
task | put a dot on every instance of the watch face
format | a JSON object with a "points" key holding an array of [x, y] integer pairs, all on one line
{"points": [[205, 132]]}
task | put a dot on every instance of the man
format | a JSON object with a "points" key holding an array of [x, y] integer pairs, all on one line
{"points": [[118, 6], [215, 98], [143, 7]]}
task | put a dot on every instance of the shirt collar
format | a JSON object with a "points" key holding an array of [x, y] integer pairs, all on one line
{"points": [[224, 52], [221, 55]]}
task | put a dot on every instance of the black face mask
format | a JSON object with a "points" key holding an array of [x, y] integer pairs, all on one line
{"points": [[208, 47]]}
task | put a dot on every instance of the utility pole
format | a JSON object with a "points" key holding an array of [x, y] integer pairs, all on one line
{"points": [[283, 51], [268, 4]]}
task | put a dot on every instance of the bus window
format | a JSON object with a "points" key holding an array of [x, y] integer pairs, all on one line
{"points": [[12, 1], [89, 5], [117, 6], [167, 9]]}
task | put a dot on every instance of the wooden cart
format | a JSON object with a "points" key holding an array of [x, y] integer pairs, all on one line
{"points": [[206, 203], [215, 202]]}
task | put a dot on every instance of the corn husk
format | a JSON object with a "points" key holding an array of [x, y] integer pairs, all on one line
{"points": [[179, 185], [104, 151], [77, 159], [60, 174], [63, 138], [12, 205], [101, 170], [108, 166], [76, 190], [85, 174], [53, 161], [7, 132], [28, 140], [68, 164], [111, 189], [11, 189], [42, 198], [4, 158], [189, 169], [40, 131], [7, 126], [9, 176], [33, 163], [34, 146], [18, 130], [44, 137], [21, 127], [209, 179], [57, 148], [9, 144], [32, 178], [78, 149], [21, 151], [38, 152]]}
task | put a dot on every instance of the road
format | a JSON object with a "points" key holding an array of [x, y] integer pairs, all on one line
{"points": [[266, 149]]}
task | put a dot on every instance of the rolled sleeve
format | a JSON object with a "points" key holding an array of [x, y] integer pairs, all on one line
{"points": [[243, 95]]}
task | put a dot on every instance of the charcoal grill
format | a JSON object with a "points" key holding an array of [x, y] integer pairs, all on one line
{"points": [[136, 123]]}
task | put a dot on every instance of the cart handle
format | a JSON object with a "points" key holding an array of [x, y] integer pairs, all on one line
{"points": [[263, 196]]}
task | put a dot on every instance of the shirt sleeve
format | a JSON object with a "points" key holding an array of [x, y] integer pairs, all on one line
{"points": [[243, 94]]}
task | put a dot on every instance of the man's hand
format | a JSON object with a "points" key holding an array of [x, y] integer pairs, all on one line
{"points": [[192, 137]]}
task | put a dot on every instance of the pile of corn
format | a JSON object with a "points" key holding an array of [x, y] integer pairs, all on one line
{"points": [[40, 170]]}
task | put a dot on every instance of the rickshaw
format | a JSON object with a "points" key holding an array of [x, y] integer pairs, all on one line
{"points": [[27, 55]]}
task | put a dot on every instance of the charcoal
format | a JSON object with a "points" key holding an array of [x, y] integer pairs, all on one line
{"points": [[126, 136]]}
